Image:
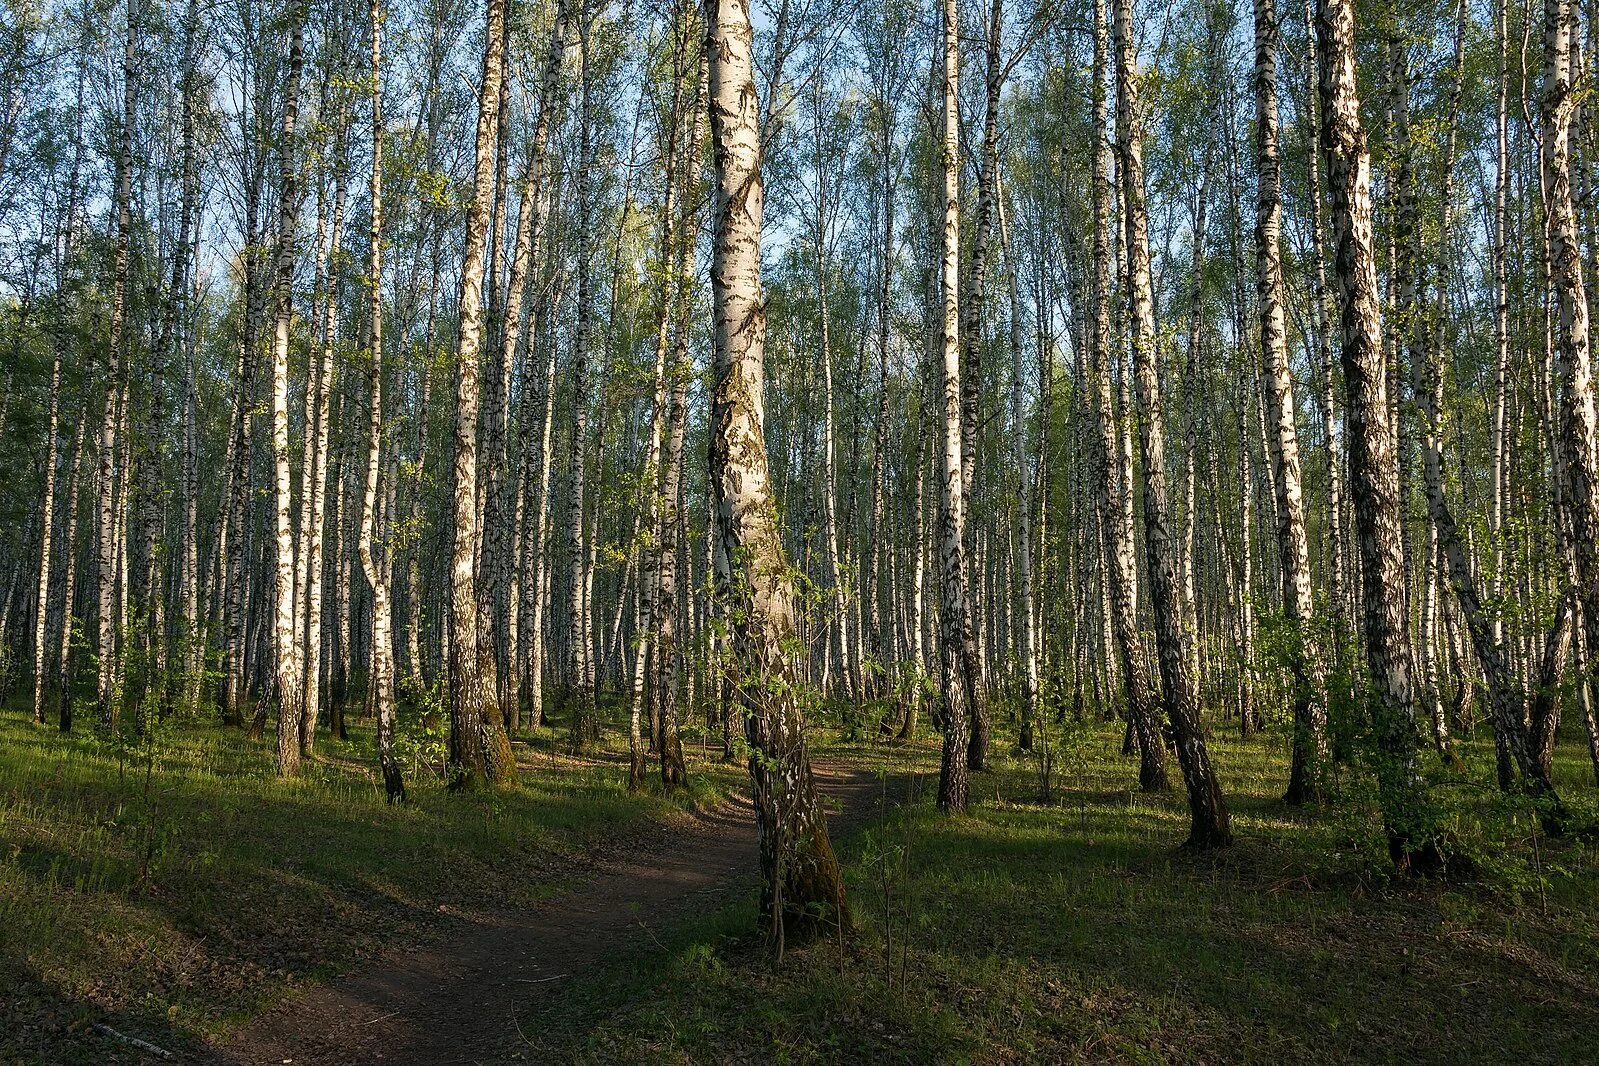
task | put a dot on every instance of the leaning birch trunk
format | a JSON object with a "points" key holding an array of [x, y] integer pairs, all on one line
{"points": [[1373, 464], [1505, 698], [803, 890], [108, 688], [955, 621], [480, 750], [375, 568], [1309, 699], [1207, 807], [286, 651], [1121, 569]]}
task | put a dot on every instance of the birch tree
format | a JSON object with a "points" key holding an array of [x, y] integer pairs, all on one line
{"points": [[802, 886]]}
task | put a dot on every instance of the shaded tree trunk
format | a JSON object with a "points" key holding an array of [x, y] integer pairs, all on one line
{"points": [[1207, 807]]}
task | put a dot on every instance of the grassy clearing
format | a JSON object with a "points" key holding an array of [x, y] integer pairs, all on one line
{"points": [[1076, 930], [176, 897]]}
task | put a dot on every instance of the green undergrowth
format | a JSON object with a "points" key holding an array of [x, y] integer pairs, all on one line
{"points": [[173, 890], [1076, 929]]}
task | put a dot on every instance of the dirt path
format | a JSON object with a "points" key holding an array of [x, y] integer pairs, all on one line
{"points": [[451, 1001]]}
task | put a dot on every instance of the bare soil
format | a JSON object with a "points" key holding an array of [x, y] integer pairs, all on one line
{"points": [[456, 999]]}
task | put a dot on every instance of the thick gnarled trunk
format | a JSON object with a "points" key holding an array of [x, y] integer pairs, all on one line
{"points": [[803, 889]]}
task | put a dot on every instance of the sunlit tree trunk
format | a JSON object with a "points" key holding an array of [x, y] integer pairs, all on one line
{"points": [[1373, 463], [1321, 346], [70, 576], [480, 750], [803, 890], [1114, 493], [1577, 421], [285, 646], [375, 568], [1309, 752], [315, 491], [955, 621]]}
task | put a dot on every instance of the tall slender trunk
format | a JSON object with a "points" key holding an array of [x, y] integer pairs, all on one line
{"points": [[480, 750], [1499, 445], [526, 261], [193, 636], [108, 691], [46, 530], [314, 494], [848, 659], [375, 568], [1115, 492], [1025, 636], [1337, 556], [69, 577], [580, 666], [955, 621], [1309, 699], [1207, 807], [880, 543], [668, 653], [285, 646], [1373, 462], [1579, 448], [649, 557], [971, 326]]}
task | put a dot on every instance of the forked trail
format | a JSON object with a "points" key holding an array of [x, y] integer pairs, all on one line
{"points": [[457, 998]]}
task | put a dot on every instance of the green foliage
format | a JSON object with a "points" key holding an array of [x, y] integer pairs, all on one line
{"points": [[422, 732]]}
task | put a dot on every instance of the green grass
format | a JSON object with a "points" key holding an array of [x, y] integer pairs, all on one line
{"points": [[176, 904], [1076, 930]]}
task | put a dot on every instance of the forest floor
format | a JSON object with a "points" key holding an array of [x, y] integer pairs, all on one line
{"points": [[211, 909], [176, 891], [458, 998], [1076, 929]]}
